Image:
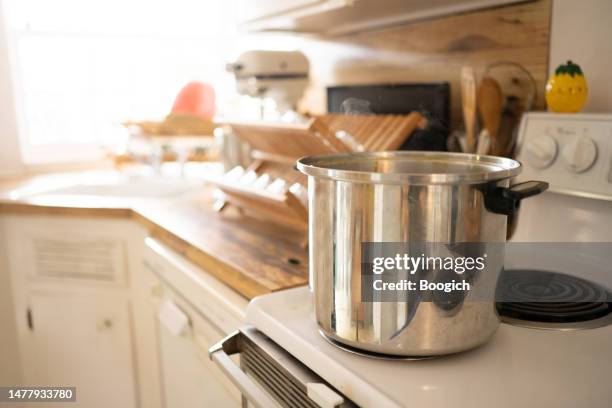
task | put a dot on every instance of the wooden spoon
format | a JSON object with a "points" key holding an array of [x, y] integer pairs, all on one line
{"points": [[490, 105], [510, 120], [468, 102]]}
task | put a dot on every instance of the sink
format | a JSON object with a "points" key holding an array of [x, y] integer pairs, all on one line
{"points": [[109, 184], [133, 188]]}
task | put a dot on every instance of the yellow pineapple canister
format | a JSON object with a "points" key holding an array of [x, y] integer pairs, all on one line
{"points": [[566, 90]]}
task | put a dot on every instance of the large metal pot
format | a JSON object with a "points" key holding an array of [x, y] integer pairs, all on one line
{"points": [[406, 197]]}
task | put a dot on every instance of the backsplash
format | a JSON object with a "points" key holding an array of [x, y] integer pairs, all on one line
{"points": [[433, 50]]}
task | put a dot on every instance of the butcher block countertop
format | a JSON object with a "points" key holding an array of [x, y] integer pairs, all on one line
{"points": [[251, 256]]}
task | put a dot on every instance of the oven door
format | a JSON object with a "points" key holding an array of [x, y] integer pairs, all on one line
{"points": [[268, 376]]}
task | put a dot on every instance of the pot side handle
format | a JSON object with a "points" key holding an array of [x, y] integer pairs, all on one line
{"points": [[506, 200]]}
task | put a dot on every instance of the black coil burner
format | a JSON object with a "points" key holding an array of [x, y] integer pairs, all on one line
{"points": [[549, 297]]}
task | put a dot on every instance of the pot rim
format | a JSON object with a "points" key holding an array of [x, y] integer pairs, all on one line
{"points": [[482, 168]]}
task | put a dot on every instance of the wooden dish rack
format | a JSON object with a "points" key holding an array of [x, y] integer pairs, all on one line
{"points": [[178, 138], [277, 146]]}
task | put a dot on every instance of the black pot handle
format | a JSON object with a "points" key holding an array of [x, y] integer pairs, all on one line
{"points": [[506, 200]]}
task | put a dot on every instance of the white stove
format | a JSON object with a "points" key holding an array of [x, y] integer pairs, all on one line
{"points": [[565, 365], [519, 367], [573, 152]]}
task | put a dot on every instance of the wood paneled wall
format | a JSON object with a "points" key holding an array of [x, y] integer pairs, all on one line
{"points": [[433, 50]]}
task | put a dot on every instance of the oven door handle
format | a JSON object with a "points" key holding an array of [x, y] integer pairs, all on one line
{"points": [[220, 352]]}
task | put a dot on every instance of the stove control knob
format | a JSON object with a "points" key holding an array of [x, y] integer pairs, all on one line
{"points": [[541, 151], [580, 154]]}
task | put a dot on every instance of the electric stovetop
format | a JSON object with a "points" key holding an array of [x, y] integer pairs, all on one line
{"points": [[519, 367]]}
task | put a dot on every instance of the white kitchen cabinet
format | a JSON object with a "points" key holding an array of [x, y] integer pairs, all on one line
{"points": [[336, 17], [189, 377], [87, 295], [82, 309], [79, 341], [10, 368], [260, 13], [194, 311]]}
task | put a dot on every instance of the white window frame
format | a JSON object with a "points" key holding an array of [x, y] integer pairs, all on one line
{"points": [[34, 156]]}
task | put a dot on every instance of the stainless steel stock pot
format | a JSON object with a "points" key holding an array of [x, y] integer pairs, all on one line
{"points": [[380, 197]]}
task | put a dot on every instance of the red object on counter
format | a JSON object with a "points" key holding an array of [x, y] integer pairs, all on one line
{"points": [[195, 98]]}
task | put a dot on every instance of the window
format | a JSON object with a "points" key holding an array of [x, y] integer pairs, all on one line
{"points": [[82, 67]]}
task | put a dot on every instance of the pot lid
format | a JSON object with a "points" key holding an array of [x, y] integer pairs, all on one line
{"points": [[410, 167]]}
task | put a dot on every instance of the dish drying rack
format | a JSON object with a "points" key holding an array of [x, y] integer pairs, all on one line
{"points": [[178, 138], [272, 187]]}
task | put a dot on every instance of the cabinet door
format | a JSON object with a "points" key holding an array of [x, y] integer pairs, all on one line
{"points": [[190, 378], [81, 342]]}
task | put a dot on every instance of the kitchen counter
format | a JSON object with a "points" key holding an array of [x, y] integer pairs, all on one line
{"points": [[251, 256]]}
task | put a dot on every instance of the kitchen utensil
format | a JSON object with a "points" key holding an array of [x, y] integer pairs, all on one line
{"points": [[452, 142], [514, 80], [462, 139], [412, 197], [468, 102], [484, 142], [490, 103], [510, 120]]}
